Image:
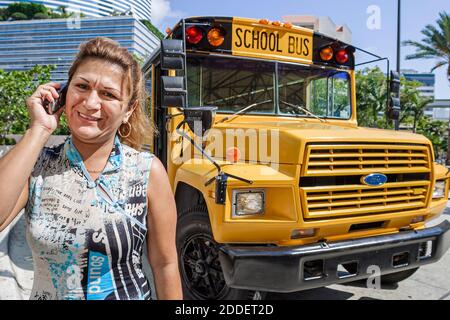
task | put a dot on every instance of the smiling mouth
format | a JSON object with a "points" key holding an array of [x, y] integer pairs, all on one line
{"points": [[88, 118]]}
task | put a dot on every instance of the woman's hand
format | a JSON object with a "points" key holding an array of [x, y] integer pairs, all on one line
{"points": [[39, 117]]}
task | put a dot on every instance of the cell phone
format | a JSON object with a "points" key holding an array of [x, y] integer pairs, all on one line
{"points": [[53, 107]]}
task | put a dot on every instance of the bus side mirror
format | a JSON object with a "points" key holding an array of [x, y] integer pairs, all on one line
{"points": [[200, 119], [393, 111], [394, 85], [172, 54], [394, 108], [173, 92], [173, 89]]}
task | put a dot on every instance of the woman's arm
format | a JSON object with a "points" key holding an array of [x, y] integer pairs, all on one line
{"points": [[162, 220], [15, 168], [17, 165]]}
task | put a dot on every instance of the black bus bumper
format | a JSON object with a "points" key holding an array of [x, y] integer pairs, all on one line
{"points": [[289, 269]]}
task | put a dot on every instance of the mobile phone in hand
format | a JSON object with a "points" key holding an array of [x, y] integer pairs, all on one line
{"points": [[53, 107]]}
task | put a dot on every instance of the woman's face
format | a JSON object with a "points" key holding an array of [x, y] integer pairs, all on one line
{"points": [[97, 101]]}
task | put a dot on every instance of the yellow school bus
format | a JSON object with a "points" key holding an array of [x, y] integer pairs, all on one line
{"points": [[277, 188]]}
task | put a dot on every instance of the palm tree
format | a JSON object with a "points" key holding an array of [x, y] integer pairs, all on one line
{"points": [[435, 45]]}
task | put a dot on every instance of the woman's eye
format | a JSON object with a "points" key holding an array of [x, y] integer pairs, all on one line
{"points": [[82, 86], [109, 95]]}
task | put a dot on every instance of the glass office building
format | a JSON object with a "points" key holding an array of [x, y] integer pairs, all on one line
{"points": [[141, 9], [428, 81], [24, 44]]}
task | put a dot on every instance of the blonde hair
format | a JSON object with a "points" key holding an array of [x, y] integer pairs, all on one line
{"points": [[109, 50]]}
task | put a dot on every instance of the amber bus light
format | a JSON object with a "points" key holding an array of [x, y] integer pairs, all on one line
{"points": [[326, 54], [216, 37]]}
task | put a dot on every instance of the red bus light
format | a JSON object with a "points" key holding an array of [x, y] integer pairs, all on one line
{"points": [[342, 56], [194, 34]]}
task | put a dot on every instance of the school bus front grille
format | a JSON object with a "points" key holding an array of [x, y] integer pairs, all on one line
{"points": [[348, 159], [350, 200]]}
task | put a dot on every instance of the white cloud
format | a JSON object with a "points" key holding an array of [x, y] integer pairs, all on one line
{"points": [[161, 10]]}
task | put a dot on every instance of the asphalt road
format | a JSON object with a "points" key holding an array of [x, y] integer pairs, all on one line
{"points": [[430, 282]]}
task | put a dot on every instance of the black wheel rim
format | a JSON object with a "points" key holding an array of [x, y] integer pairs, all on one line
{"points": [[200, 265]]}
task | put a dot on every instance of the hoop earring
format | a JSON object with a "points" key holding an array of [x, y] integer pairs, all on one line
{"points": [[125, 135]]}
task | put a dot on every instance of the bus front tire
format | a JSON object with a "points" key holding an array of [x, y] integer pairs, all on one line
{"points": [[201, 273]]}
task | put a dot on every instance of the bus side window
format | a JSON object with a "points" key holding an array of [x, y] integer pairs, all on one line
{"points": [[318, 96], [341, 96]]}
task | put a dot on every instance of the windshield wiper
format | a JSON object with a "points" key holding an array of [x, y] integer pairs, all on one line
{"points": [[303, 109], [242, 111]]}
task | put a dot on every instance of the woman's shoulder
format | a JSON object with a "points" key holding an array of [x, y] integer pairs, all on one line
{"points": [[133, 157], [131, 152]]}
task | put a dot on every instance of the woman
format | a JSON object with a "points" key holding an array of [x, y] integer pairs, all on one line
{"points": [[86, 200]]}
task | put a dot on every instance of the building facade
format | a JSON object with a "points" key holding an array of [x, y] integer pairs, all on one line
{"points": [[427, 90], [428, 81], [439, 109], [24, 44], [322, 25], [141, 9]]}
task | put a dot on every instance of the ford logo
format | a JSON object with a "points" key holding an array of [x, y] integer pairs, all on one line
{"points": [[374, 179]]}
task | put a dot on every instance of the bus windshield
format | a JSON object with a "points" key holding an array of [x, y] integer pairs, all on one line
{"points": [[231, 84]]}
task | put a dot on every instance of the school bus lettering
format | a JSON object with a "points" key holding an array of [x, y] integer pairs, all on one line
{"points": [[256, 39], [298, 46], [281, 44]]}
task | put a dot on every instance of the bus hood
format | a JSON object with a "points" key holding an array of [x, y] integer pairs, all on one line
{"points": [[289, 139]]}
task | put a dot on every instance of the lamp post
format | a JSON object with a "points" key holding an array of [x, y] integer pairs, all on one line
{"points": [[399, 17], [397, 121]]}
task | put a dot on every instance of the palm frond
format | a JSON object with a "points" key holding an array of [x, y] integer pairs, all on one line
{"points": [[444, 24], [429, 31], [436, 39], [438, 65], [423, 51], [436, 43]]}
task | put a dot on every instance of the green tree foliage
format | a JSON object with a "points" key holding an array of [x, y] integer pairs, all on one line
{"points": [[29, 11], [153, 29], [371, 97], [435, 130], [19, 16], [26, 8], [413, 104], [40, 16], [15, 88]]}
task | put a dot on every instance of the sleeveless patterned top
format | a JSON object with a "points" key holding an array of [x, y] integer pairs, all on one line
{"points": [[87, 236]]}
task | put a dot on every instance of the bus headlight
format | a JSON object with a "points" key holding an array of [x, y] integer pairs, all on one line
{"points": [[439, 189], [248, 202]]}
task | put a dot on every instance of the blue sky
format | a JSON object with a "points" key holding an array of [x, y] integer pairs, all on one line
{"points": [[415, 16]]}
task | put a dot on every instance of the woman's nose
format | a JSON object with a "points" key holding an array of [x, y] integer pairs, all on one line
{"points": [[93, 100]]}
